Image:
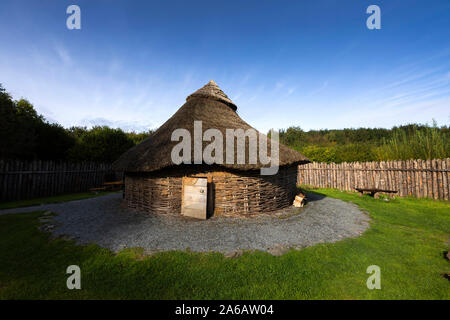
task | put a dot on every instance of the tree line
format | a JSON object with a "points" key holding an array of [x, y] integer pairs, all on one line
{"points": [[25, 134], [412, 141]]}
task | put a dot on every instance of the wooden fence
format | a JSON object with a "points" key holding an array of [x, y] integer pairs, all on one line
{"points": [[419, 178], [31, 179]]}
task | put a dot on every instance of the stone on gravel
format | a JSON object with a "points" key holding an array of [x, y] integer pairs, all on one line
{"points": [[278, 250], [234, 254]]}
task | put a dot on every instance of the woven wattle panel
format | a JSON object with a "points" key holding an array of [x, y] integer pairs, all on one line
{"points": [[233, 193]]}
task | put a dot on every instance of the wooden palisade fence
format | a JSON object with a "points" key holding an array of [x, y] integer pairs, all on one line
{"points": [[31, 179], [419, 178]]}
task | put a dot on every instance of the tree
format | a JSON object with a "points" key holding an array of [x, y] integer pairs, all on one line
{"points": [[24, 134], [101, 144], [9, 133], [77, 132], [139, 137], [53, 142]]}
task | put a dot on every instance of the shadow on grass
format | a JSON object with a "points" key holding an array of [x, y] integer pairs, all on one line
{"points": [[312, 195]]}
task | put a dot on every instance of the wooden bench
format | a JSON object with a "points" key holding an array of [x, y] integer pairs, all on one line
{"points": [[114, 185], [97, 189], [109, 186], [373, 192]]}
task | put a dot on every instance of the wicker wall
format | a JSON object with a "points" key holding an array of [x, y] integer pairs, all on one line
{"points": [[230, 193]]}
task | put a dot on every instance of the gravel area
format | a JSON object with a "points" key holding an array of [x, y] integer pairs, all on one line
{"points": [[105, 221]]}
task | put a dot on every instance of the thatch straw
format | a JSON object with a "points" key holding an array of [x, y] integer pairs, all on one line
{"points": [[211, 106], [212, 91]]}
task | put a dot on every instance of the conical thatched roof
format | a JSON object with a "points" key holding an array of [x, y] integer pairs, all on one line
{"points": [[212, 91], [216, 111]]}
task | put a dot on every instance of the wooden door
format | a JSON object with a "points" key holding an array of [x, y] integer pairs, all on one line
{"points": [[194, 197]]}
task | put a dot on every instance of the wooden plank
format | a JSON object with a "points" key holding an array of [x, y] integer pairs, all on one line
{"points": [[319, 176], [406, 177], [409, 177], [413, 178], [439, 194], [13, 183], [443, 174], [393, 176], [424, 179], [334, 173], [56, 181], [414, 175], [377, 175], [316, 178], [31, 181], [46, 179], [417, 179], [368, 177], [194, 197], [2, 177], [351, 176], [430, 179], [339, 175], [403, 178], [420, 184], [445, 179], [27, 179], [388, 175], [313, 175], [40, 186], [435, 182], [11, 178], [20, 182], [327, 167]]}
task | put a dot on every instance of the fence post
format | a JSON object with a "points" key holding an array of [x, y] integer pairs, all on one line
{"points": [[418, 178]]}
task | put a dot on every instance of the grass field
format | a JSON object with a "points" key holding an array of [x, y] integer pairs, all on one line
{"points": [[407, 240], [54, 199]]}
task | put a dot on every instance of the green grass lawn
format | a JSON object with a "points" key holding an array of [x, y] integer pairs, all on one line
{"points": [[407, 240], [53, 199]]}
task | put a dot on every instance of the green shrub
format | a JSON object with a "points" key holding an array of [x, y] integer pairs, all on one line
{"points": [[428, 142], [101, 144]]}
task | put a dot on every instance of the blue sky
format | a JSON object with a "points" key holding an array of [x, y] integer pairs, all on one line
{"points": [[312, 64]]}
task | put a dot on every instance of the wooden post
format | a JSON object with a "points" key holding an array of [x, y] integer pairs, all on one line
{"points": [[445, 179]]}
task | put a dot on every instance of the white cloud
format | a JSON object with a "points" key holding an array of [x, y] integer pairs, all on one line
{"points": [[137, 126], [63, 55]]}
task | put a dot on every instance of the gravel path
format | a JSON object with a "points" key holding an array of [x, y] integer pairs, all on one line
{"points": [[104, 220]]}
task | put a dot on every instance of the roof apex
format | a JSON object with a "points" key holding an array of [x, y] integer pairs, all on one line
{"points": [[211, 90]]}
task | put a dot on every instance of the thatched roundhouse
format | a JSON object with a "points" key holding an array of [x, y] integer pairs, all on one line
{"points": [[153, 183]]}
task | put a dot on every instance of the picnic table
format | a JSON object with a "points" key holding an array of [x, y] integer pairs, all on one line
{"points": [[373, 192]]}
